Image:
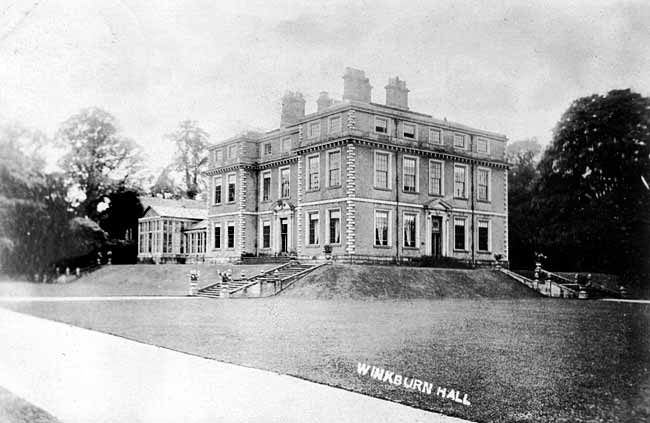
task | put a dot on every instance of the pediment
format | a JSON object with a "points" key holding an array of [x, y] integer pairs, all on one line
{"points": [[282, 205], [438, 204], [150, 212]]}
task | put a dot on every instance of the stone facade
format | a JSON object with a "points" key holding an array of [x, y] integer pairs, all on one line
{"points": [[371, 180]]}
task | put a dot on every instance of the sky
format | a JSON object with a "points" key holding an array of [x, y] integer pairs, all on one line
{"points": [[510, 67]]}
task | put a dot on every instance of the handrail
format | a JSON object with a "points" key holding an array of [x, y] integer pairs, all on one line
{"points": [[555, 275], [295, 277], [253, 280]]}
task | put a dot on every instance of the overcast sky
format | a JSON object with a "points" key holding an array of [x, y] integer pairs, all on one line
{"points": [[508, 67]]}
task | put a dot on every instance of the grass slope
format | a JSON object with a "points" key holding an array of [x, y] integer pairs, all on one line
{"points": [[390, 282], [137, 279]]}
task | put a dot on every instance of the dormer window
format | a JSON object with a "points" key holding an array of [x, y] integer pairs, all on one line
{"points": [[409, 130], [381, 125]]}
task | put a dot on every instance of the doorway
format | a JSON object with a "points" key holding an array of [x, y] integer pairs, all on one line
{"points": [[436, 236], [284, 235]]}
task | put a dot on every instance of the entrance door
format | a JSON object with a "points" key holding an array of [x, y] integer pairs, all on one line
{"points": [[284, 235], [436, 236]]}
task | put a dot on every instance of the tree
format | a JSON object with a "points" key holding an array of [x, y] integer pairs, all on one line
{"points": [[592, 198], [165, 185], [522, 176], [36, 221], [98, 156], [191, 154]]}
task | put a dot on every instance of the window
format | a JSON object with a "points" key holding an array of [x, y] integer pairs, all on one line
{"points": [[483, 182], [435, 177], [313, 228], [381, 125], [410, 173], [266, 185], [382, 173], [482, 145], [285, 146], [381, 228], [314, 130], [459, 233], [409, 131], [217, 190], [231, 187], [434, 136], [218, 155], [217, 236], [284, 182], [266, 234], [460, 181], [313, 172], [232, 151], [410, 231], [268, 149], [335, 124], [334, 168], [231, 235], [483, 235], [459, 140], [334, 227]]}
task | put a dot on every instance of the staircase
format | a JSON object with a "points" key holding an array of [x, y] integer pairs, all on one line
{"points": [[267, 283]]}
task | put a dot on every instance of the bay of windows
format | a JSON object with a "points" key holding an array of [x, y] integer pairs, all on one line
{"points": [[266, 186], [266, 234], [217, 236], [409, 230], [284, 182], [381, 125], [231, 187], [408, 131], [381, 170], [313, 171], [231, 235], [217, 190], [459, 233], [334, 168], [435, 177], [434, 136], [334, 227], [483, 235], [381, 228], [313, 228], [410, 174], [483, 182], [460, 181]]}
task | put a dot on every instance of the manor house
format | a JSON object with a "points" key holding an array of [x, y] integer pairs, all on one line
{"points": [[373, 181]]}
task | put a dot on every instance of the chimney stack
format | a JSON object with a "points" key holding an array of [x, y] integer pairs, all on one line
{"points": [[397, 95], [324, 101], [356, 86], [293, 108]]}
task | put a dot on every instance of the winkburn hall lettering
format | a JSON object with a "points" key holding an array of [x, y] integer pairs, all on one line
{"points": [[367, 180], [387, 376]]}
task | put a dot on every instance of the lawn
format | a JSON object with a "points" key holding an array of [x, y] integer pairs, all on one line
{"points": [[14, 409], [529, 360]]}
